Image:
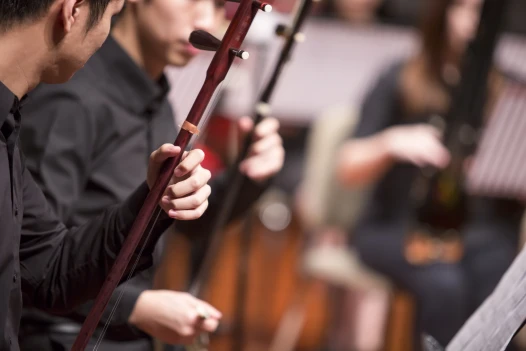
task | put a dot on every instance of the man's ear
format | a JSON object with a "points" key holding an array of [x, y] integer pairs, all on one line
{"points": [[70, 13]]}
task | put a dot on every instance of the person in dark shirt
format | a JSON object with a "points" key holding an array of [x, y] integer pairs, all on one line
{"points": [[42, 262], [87, 143], [392, 140]]}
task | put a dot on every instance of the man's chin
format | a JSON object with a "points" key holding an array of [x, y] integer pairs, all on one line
{"points": [[58, 79], [180, 61]]}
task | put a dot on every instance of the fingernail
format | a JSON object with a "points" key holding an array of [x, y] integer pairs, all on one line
{"points": [[178, 172], [166, 199], [173, 213]]}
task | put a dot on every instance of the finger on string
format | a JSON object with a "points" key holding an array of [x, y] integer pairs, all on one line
{"points": [[268, 159], [266, 144], [189, 202], [263, 165], [260, 174], [265, 135], [192, 160], [189, 185], [267, 126], [187, 215]]}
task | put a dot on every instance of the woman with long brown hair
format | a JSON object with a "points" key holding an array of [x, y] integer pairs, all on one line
{"points": [[393, 140]]}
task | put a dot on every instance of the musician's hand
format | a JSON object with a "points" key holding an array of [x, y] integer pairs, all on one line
{"points": [[418, 144], [173, 317], [266, 153], [186, 197]]}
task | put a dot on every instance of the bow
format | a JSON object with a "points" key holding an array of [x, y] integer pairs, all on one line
{"points": [[226, 52]]}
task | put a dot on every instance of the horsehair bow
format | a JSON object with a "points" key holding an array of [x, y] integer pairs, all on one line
{"points": [[226, 51], [262, 109]]}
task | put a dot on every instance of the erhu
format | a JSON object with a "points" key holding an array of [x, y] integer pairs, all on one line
{"points": [[292, 35], [440, 198], [262, 110], [227, 51]]}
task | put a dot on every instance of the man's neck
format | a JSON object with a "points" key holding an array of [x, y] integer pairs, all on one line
{"points": [[125, 32], [23, 55]]}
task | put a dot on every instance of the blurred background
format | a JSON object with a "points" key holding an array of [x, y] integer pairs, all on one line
{"points": [[308, 278]]}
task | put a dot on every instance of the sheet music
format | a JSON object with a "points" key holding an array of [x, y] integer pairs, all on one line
{"points": [[499, 167]]}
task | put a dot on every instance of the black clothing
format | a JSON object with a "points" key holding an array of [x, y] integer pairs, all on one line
{"points": [[446, 293], [52, 267], [88, 141]]}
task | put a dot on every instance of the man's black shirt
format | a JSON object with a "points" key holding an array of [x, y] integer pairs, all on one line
{"points": [[52, 267]]}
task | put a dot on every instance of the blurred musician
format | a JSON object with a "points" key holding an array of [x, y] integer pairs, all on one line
{"points": [[391, 142], [353, 11], [88, 143]]}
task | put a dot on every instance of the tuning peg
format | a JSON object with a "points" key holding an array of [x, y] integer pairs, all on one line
{"points": [[282, 30], [299, 37], [203, 40], [285, 32], [263, 6], [241, 54]]}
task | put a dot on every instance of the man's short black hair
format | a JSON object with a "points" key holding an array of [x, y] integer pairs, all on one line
{"points": [[18, 11]]}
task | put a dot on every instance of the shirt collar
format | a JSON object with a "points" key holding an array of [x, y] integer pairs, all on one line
{"points": [[136, 90], [9, 103]]}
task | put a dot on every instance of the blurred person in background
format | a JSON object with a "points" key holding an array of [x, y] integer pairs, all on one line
{"points": [[353, 11], [87, 144], [360, 12], [391, 142]]}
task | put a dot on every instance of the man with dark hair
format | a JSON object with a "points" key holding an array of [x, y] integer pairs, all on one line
{"points": [[52, 267], [13, 11], [86, 144]]}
